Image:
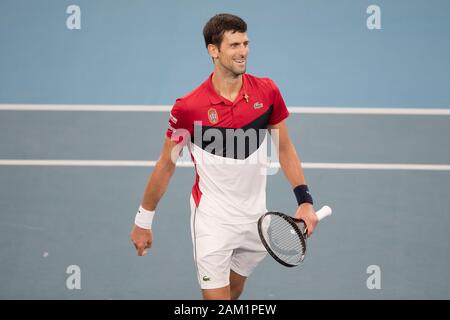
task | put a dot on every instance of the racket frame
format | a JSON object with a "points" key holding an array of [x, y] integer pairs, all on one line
{"points": [[294, 224]]}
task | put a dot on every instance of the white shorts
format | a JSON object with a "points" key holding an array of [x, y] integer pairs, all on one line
{"points": [[219, 248]]}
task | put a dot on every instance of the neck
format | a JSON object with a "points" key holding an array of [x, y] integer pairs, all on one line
{"points": [[226, 84]]}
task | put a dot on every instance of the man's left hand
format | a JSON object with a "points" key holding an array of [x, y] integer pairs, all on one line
{"points": [[307, 213]]}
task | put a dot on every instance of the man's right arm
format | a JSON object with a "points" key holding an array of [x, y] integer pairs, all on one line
{"points": [[160, 177], [156, 187]]}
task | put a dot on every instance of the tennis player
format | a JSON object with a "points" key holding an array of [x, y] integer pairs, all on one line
{"points": [[224, 122]]}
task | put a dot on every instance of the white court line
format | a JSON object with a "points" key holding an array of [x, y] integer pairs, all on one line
{"points": [[85, 107], [186, 164], [167, 108]]}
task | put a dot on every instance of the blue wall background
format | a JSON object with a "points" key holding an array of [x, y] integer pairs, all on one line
{"points": [[320, 53]]}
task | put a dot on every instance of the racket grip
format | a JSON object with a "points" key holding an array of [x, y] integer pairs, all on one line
{"points": [[324, 212]]}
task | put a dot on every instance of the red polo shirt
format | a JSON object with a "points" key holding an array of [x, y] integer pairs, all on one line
{"points": [[232, 190]]}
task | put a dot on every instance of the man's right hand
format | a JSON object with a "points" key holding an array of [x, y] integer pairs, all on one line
{"points": [[142, 239]]}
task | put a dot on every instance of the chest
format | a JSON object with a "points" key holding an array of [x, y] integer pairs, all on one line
{"points": [[248, 109]]}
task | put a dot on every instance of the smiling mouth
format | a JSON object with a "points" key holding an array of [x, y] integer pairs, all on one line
{"points": [[239, 61]]}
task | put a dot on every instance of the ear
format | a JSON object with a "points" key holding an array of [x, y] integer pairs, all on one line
{"points": [[213, 51]]}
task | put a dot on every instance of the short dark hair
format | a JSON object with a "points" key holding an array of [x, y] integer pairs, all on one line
{"points": [[217, 25]]}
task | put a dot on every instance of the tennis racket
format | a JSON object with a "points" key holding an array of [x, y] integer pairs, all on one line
{"points": [[284, 237]]}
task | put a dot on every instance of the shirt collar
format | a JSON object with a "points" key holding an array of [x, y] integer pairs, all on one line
{"points": [[215, 98]]}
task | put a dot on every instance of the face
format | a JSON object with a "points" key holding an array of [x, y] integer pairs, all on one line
{"points": [[233, 52]]}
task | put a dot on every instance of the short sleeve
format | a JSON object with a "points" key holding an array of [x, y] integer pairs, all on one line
{"points": [[178, 129], [280, 111]]}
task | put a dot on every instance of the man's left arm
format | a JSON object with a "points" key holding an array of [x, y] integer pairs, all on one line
{"points": [[292, 168]]}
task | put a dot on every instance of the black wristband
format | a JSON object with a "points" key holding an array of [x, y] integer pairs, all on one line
{"points": [[302, 194]]}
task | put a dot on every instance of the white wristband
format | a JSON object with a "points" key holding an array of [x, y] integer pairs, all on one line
{"points": [[144, 218]]}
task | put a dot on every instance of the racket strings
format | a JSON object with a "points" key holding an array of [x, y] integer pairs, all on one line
{"points": [[284, 241]]}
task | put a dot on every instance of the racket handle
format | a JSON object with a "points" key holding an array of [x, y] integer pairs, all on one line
{"points": [[324, 212]]}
